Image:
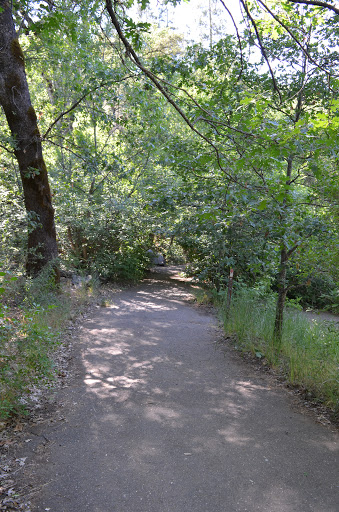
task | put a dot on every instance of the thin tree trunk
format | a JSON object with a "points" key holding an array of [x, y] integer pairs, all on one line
{"points": [[285, 253], [282, 290], [22, 121], [284, 256]]}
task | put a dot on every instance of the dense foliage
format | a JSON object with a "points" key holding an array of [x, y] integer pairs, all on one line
{"points": [[223, 155], [242, 172]]}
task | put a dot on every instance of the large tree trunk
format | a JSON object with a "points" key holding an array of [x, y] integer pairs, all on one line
{"points": [[22, 121]]}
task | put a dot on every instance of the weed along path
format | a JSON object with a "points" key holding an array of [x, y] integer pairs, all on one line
{"points": [[156, 419]]}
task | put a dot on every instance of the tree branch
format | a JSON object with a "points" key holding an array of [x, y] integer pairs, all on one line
{"points": [[78, 102], [262, 48], [50, 141], [8, 150], [285, 27], [316, 3], [238, 36], [134, 57], [67, 111]]}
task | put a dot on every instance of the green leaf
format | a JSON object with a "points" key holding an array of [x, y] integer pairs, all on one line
{"points": [[204, 159], [262, 205], [316, 171], [281, 196]]}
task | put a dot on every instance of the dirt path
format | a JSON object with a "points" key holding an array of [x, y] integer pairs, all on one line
{"points": [[320, 317], [158, 420]]}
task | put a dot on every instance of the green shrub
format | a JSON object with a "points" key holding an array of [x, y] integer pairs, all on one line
{"points": [[25, 345], [331, 300], [317, 291], [127, 265], [175, 255], [28, 335], [112, 248]]}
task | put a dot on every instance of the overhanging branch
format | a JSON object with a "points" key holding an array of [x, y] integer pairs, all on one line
{"points": [[238, 37], [134, 57], [60, 116], [289, 31], [262, 48], [316, 3], [160, 85]]}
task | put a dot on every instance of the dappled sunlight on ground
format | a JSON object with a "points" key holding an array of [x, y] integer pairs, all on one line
{"points": [[165, 416], [148, 374], [173, 425]]}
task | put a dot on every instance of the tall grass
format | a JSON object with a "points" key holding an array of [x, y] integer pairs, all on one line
{"points": [[309, 352]]}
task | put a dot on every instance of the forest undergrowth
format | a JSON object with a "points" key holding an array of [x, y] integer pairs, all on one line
{"points": [[34, 316]]}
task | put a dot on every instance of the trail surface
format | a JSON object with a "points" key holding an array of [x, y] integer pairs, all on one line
{"points": [[159, 420]]}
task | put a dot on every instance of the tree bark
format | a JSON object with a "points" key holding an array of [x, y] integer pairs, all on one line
{"points": [[22, 121], [284, 256], [282, 290]]}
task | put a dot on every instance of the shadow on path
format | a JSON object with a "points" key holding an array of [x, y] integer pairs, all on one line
{"points": [[157, 420]]}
